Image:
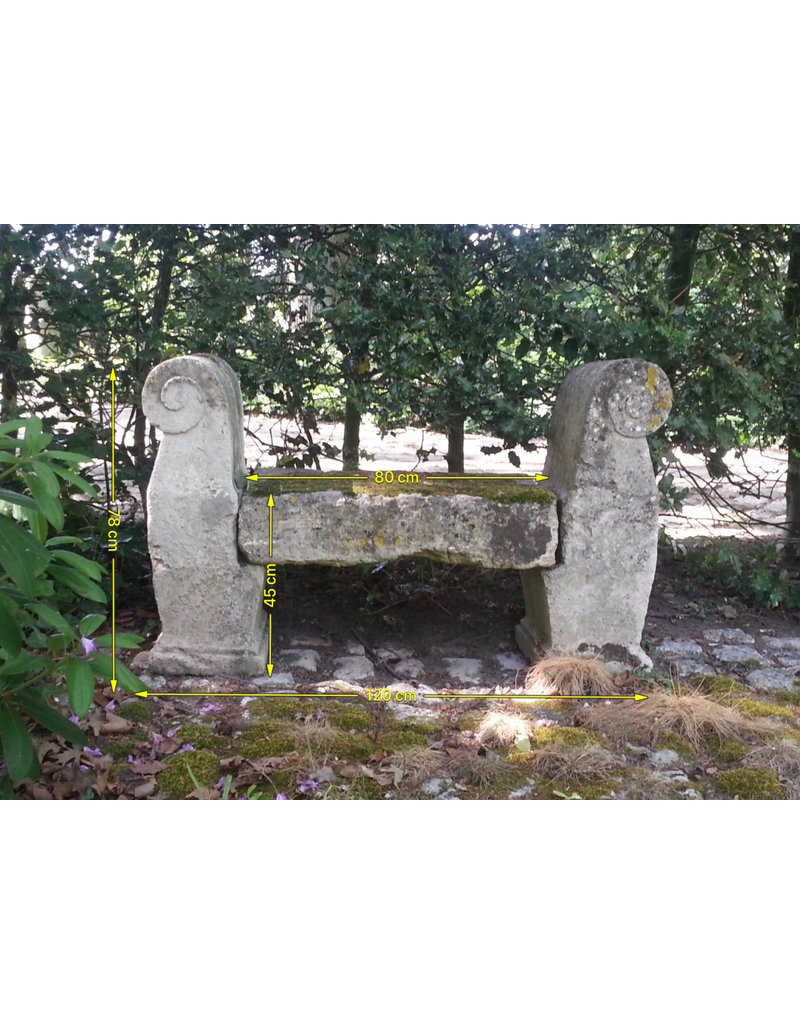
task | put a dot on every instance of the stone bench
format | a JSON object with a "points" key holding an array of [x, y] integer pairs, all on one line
{"points": [[585, 546]]}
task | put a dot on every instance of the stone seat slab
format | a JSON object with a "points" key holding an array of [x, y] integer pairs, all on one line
{"points": [[328, 527]]}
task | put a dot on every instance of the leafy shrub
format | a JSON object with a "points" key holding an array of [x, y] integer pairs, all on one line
{"points": [[48, 631], [750, 571]]}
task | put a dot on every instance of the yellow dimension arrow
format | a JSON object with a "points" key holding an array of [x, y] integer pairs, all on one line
{"points": [[316, 476], [270, 666], [488, 476], [270, 505], [535, 696], [113, 625], [164, 693], [113, 379]]}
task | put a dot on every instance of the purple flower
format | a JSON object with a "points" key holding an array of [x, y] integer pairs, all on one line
{"points": [[93, 751], [185, 747], [83, 767], [221, 783], [88, 645], [111, 706], [320, 716], [280, 796], [170, 733], [209, 707], [74, 719], [307, 785]]}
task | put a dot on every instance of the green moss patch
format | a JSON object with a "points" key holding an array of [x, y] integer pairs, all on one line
{"points": [[760, 709], [720, 685], [266, 739], [672, 741], [176, 782], [506, 492], [724, 750], [203, 737], [790, 697], [135, 711], [750, 784], [564, 736]]}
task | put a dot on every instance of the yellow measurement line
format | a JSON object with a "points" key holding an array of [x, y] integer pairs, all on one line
{"points": [[165, 693], [113, 434], [486, 476], [317, 476], [113, 625], [535, 696], [270, 666], [271, 504]]}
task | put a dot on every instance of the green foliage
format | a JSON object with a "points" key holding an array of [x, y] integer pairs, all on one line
{"points": [[45, 585], [750, 571]]}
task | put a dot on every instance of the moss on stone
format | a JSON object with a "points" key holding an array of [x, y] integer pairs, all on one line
{"points": [[760, 709], [672, 741], [505, 492], [720, 685], [725, 750], [281, 707], [349, 716], [266, 739], [363, 789], [176, 782], [346, 745], [790, 697], [135, 711], [203, 737], [598, 789], [122, 747], [470, 722], [564, 736], [750, 784]]}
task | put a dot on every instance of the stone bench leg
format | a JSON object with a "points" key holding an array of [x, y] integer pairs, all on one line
{"points": [[210, 603], [595, 601]]}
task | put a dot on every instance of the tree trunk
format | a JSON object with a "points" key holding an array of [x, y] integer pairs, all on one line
{"points": [[455, 444], [791, 314], [683, 251], [352, 430]]}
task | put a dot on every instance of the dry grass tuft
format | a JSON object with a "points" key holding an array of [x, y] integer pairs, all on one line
{"points": [[782, 757], [571, 676], [482, 772], [420, 763], [499, 729], [688, 714], [563, 764]]}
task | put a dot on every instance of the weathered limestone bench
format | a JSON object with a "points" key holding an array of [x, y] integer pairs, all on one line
{"points": [[585, 546]]}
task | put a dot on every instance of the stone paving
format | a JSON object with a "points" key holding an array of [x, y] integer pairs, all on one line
{"points": [[763, 661]]}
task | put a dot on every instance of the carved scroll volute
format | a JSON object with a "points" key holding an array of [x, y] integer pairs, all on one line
{"points": [[195, 400], [602, 410]]}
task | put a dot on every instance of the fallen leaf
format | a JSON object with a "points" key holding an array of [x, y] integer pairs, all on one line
{"points": [[145, 789], [148, 768]]}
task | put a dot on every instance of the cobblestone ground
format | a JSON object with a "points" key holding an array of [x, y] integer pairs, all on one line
{"points": [[763, 661]]}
